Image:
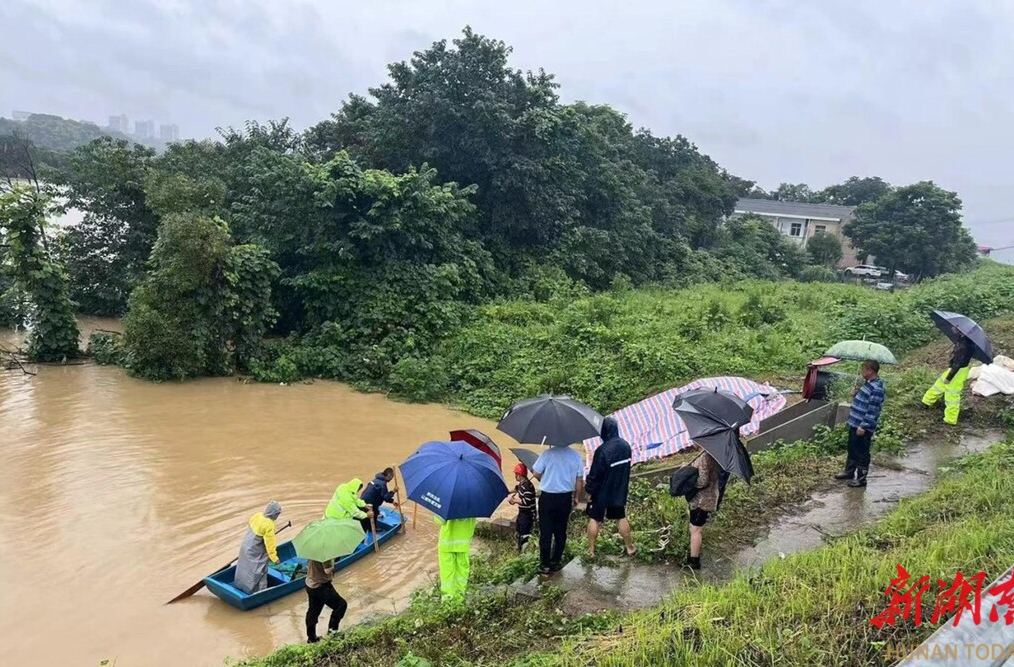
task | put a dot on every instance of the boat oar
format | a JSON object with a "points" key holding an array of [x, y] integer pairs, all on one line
{"points": [[200, 584], [397, 494]]}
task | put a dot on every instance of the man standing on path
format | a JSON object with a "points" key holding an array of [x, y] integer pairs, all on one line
{"points": [[321, 592], [607, 484], [453, 553], [560, 471], [952, 382], [862, 422]]}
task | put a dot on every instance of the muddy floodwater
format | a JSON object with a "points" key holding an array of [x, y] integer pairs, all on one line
{"points": [[117, 494]]}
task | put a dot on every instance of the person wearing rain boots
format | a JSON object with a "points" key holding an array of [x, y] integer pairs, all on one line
{"points": [[862, 422]]}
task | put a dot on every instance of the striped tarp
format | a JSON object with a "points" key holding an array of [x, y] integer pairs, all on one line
{"points": [[655, 431]]}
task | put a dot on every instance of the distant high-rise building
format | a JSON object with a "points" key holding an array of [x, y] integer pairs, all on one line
{"points": [[119, 124], [169, 133], [21, 115], [144, 129]]}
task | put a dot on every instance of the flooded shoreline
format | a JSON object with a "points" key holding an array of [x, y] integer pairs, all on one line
{"points": [[121, 493]]}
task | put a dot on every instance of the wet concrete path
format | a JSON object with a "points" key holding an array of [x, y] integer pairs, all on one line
{"points": [[624, 584]]}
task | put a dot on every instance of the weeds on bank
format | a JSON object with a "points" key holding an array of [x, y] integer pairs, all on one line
{"points": [[815, 608]]}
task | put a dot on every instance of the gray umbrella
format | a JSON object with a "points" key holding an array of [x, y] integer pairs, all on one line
{"points": [[948, 322], [550, 420], [526, 456], [713, 419]]}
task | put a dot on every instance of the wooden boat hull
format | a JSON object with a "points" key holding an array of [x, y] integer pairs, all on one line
{"points": [[288, 575]]}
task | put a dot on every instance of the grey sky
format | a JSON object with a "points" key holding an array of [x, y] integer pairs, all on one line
{"points": [[773, 90]]}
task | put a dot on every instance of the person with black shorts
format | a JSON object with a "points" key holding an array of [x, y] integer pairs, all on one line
{"points": [[607, 483], [703, 504]]}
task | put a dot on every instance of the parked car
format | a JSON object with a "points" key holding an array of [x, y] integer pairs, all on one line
{"points": [[898, 275], [862, 271]]}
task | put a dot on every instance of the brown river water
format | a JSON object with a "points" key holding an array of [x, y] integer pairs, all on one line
{"points": [[118, 494]]}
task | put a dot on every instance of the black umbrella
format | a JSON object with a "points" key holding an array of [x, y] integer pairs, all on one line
{"points": [[713, 419], [948, 322], [550, 420]]}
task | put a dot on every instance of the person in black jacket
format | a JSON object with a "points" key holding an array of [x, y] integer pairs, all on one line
{"points": [[376, 494], [606, 484]]}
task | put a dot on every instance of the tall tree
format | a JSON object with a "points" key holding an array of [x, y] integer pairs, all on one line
{"points": [[796, 192], [106, 252], [38, 277], [854, 191], [824, 250], [916, 229]]}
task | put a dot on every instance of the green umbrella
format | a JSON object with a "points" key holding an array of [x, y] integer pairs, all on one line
{"points": [[325, 539], [861, 350]]}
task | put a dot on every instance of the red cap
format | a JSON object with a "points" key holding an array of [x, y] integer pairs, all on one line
{"points": [[521, 469]]}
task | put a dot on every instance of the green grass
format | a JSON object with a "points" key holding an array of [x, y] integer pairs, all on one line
{"points": [[815, 608]]}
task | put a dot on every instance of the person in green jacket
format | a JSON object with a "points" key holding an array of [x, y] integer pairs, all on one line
{"points": [[455, 542], [346, 504]]}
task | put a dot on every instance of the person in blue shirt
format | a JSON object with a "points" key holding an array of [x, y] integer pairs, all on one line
{"points": [[862, 422], [560, 472]]}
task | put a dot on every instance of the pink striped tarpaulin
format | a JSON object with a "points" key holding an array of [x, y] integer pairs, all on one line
{"points": [[655, 431]]}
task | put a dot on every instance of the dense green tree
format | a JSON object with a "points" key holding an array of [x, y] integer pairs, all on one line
{"points": [[824, 250], [204, 306], [854, 191], [106, 252], [797, 192], [382, 262], [752, 247], [571, 182], [38, 278], [916, 229]]}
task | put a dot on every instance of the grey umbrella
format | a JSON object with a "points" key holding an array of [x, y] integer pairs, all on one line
{"points": [[948, 322], [713, 418], [526, 456], [550, 420]]}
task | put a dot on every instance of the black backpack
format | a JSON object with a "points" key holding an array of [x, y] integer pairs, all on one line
{"points": [[684, 483]]}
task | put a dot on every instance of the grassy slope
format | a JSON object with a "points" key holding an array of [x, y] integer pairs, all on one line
{"points": [[815, 608], [526, 629], [613, 349]]}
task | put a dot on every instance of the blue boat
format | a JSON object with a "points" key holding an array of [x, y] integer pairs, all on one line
{"points": [[287, 576]]}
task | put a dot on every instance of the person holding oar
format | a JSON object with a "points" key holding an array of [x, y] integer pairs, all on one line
{"points": [[257, 549], [346, 504], [458, 483], [376, 494]]}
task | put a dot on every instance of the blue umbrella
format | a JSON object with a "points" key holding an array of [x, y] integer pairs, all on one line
{"points": [[454, 480], [947, 322]]}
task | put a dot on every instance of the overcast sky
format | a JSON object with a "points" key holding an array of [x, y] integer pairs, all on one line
{"points": [[773, 90]]}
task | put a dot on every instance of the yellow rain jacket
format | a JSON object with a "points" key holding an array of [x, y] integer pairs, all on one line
{"points": [[264, 528], [346, 503]]}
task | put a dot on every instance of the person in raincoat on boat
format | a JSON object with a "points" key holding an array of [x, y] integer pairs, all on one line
{"points": [[257, 549], [452, 550], [346, 504]]}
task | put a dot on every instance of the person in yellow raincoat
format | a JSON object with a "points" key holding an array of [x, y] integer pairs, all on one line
{"points": [[952, 382], [257, 549], [346, 504], [455, 542]]}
